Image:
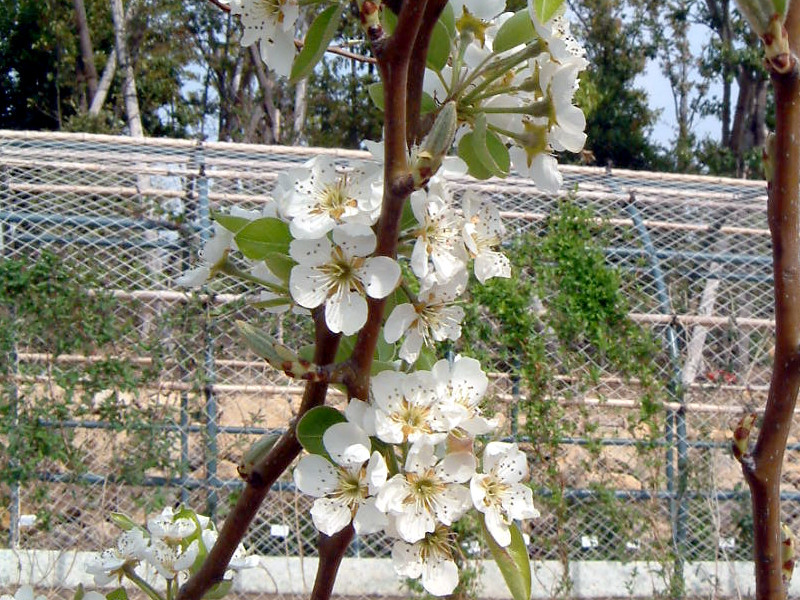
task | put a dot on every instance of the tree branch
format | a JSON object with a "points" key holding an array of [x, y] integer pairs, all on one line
{"points": [[262, 476], [763, 474], [416, 73], [393, 62]]}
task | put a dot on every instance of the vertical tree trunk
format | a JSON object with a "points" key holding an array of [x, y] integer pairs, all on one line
{"points": [[129, 82], [267, 89], [101, 93], [87, 53], [300, 106]]}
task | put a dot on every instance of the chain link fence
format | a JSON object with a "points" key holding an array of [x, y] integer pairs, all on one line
{"points": [[160, 411]]}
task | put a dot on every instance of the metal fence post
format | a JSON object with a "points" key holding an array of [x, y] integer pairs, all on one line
{"points": [[676, 420], [209, 364]]}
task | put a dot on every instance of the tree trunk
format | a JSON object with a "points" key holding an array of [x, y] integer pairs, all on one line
{"points": [[129, 82], [105, 84], [87, 54], [267, 87], [300, 106]]}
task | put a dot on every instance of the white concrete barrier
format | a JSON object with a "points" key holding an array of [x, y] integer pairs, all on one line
{"points": [[49, 569]]}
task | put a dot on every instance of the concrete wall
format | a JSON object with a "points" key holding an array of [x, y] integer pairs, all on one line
{"points": [[375, 576]]}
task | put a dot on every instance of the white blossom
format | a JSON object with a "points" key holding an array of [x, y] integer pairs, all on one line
{"points": [[324, 196], [429, 559], [344, 490], [438, 249], [432, 318], [341, 275], [403, 405], [428, 492], [271, 23], [498, 492], [483, 232], [461, 386], [131, 548]]}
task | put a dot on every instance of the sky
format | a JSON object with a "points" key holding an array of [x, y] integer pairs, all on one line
{"points": [[660, 96]]}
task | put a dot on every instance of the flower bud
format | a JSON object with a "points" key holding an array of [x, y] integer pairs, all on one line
{"points": [[435, 146], [257, 452]]}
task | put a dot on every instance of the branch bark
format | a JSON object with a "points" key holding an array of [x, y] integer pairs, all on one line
{"points": [[262, 476], [763, 471]]}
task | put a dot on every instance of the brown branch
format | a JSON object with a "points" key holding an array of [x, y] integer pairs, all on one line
{"points": [[261, 477], [416, 72], [763, 472], [393, 62], [331, 551]]}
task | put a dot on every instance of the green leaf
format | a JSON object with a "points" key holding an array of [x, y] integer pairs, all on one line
{"points": [[232, 224], [117, 594], [448, 19], [259, 342], [79, 592], [466, 151], [219, 590], [313, 425], [346, 345], [428, 104], [388, 20], [262, 237], [489, 149], [375, 92], [123, 521], [317, 39], [275, 302], [438, 48], [426, 359], [280, 264], [512, 561], [545, 9], [781, 7], [515, 31]]}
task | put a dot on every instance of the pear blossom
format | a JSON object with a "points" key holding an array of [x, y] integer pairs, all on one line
{"points": [[432, 318], [430, 559], [403, 406], [498, 492], [428, 491], [460, 387], [340, 275], [130, 550], [438, 249], [271, 23], [483, 231], [345, 489], [170, 558], [171, 528], [322, 196]]}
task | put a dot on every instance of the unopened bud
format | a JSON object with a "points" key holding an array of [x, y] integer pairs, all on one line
{"points": [[435, 146], [741, 436], [257, 452], [776, 45]]}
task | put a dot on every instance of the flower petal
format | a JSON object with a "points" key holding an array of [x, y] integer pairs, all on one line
{"points": [[315, 476], [379, 275], [330, 515], [347, 444]]}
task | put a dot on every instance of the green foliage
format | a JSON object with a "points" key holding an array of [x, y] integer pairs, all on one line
{"points": [[556, 326], [47, 308]]}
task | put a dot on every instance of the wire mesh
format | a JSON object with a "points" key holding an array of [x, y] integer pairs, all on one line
{"points": [[133, 213]]}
